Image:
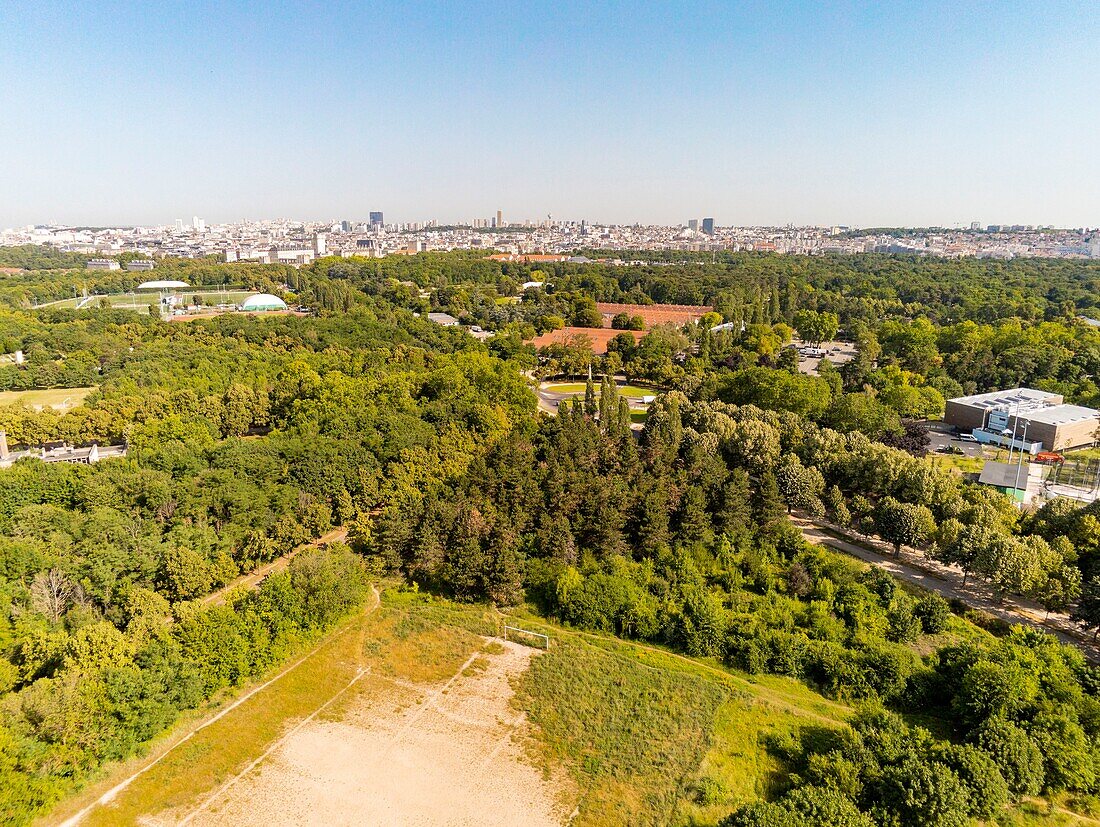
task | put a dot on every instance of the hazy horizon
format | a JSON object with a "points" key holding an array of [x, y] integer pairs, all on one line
{"points": [[758, 114]]}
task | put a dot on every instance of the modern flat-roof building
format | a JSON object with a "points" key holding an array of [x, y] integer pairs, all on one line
{"points": [[1025, 418]]}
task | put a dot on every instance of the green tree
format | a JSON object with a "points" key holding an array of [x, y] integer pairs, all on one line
{"points": [[903, 523], [933, 613], [1014, 753], [814, 327], [800, 486], [1087, 611], [986, 790], [924, 794]]}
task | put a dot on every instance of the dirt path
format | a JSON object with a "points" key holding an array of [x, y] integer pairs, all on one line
{"points": [[947, 581], [258, 575], [402, 754], [170, 746]]}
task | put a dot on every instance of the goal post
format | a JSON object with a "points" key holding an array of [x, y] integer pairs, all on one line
{"points": [[526, 637]]}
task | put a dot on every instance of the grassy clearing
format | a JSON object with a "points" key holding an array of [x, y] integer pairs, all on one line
{"points": [[630, 734], [648, 736], [652, 737], [958, 463], [61, 399]]}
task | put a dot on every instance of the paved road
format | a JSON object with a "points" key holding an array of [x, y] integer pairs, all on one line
{"points": [[947, 581]]}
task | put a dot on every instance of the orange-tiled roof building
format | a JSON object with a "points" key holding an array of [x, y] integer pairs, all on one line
{"points": [[598, 337], [654, 314]]}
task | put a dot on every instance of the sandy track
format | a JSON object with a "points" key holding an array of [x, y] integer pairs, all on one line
{"points": [[403, 754]]}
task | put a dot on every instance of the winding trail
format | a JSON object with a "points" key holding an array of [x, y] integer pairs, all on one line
{"points": [[947, 581], [254, 578]]}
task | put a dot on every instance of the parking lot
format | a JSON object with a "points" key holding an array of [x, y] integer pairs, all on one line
{"points": [[942, 440], [838, 353]]}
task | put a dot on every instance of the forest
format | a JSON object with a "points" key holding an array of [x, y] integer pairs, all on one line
{"points": [[248, 437]]}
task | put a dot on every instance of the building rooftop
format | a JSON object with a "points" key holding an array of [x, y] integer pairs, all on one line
{"points": [[1023, 400], [1024, 479], [1060, 414]]}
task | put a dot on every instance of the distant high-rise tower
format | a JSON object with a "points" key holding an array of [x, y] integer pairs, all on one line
{"points": [[345, 226], [376, 219], [199, 224], [179, 225], [708, 226], [320, 244], [693, 224], [500, 218]]}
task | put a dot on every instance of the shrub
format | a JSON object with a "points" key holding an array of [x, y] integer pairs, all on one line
{"points": [[933, 612]]}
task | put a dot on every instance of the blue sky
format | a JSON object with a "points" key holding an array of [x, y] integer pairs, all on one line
{"points": [[877, 113]]}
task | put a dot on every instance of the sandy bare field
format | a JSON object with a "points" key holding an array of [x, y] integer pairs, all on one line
{"points": [[401, 754]]}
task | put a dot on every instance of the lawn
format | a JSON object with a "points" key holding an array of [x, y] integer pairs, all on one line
{"points": [[61, 399], [652, 737], [958, 463], [629, 391]]}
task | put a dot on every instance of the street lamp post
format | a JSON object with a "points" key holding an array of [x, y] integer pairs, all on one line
{"points": [[1015, 425], [1020, 466]]}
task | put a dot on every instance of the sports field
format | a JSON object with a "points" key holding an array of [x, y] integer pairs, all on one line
{"points": [[139, 300], [60, 399]]}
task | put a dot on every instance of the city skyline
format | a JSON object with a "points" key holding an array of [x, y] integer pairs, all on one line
{"points": [[756, 114]]}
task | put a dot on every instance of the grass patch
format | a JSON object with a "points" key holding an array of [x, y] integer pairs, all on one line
{"points": [[476, 667], [958, 463], [653, 737], [629, 734], [630, 391], [60, 399]]}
